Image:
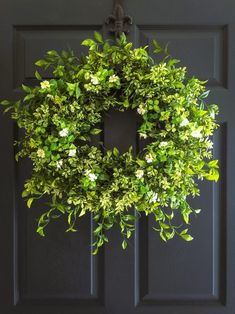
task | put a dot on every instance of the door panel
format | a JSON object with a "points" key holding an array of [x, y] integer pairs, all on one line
{"points": [[58, 274]]}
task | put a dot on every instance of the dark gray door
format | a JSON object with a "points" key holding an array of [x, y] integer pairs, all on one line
{"points": [[58, 274]]}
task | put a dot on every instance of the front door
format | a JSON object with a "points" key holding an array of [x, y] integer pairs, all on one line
{"points": [[57, 274]]}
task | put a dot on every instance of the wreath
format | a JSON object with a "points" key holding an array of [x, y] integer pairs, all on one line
{"points": [[60, 117]]}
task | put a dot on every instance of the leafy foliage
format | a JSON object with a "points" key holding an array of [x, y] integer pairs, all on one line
{"points": [[61, 115]]}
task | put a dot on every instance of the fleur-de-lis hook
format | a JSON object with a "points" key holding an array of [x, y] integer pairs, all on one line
{"points": [[118, 22]]}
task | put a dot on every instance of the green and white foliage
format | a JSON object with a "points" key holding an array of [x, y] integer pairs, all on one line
{"points": [[60, 115]]}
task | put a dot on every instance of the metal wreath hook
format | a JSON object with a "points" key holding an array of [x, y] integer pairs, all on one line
{"points": [[118, 22]]}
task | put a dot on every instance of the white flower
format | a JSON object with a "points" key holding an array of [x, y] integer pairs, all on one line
{"points": [[149, 158], [72, 152], [143, 135], [139, 173], [154, 198], [184, 122], [45, 84], [92, 176], [113, 78], [40, 153], [141, 110], [94, 80], [196, 133], [59, 163], [64, 132], [163, 144]]}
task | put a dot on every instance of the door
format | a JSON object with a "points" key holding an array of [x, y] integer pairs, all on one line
{"points": [[58, 274]]}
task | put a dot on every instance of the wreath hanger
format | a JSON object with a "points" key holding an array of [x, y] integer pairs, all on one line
{"points": [[118, 22]]}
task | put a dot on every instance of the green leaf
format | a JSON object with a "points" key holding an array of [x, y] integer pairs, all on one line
{"points": [[123, 38], [186, 237], [140, 162], [29, 202], [205, 94], [38, 76], [184, 231], [88, 42], [173, 62], [126, 103], [98, 37], [128, 46], [77, 91], [124, 244], [82, 138], [5, 102], [213, 164], [71, 229], [115, 152], [166, 49], [25, 193], [60, 208], [213, 175], [41, 63], [95, 251], [53, 146], [28, 97], [156, 44], [109, 153], [53, 53], [163, 236], [170, 235], [82, 213], [128, 234], [163, 225], [8, 109], [186, 217], [26, 88], [98, 229], [73, 89], [41, 231], [95, 131]]}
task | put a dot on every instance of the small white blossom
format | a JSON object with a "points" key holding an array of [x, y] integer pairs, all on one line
{"points": [[143, 135], [113, 78], [184, 122], [72, 152], [149, 158], [196, 133], [40, 153], [154, 198], [94, 80], [141, 110], [45, 84], [139, 173], [92, 176], [64, 132], [59, 163], [163, 144]]}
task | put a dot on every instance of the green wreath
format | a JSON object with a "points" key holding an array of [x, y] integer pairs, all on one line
{"points": [[61, 115]]}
